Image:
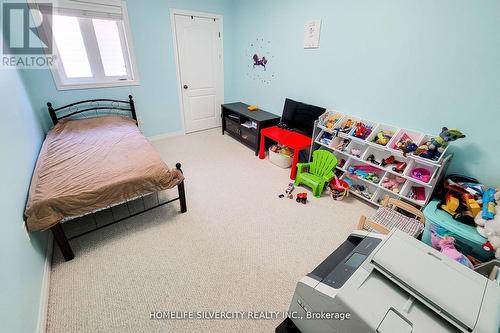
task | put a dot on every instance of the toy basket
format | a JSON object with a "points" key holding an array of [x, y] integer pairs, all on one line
{"points": [[281, 160]]}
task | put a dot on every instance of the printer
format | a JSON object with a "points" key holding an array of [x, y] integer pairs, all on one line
{"points": [[392, 283]]}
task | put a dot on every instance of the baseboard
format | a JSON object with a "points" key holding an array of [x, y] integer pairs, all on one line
{"points": [[165, 136], [44, 294]]}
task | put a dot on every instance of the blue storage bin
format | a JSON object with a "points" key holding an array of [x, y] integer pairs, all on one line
{"points": [[467, 239]]}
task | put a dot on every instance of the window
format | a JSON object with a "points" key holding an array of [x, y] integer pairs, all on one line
{"points": [[92, 45]]}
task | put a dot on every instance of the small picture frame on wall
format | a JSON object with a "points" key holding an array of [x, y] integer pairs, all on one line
{"points": [[311, 34]]}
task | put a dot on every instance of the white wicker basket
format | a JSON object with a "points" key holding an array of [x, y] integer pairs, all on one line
{"points": [[283, 161]]}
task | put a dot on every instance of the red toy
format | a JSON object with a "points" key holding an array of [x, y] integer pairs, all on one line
{"points": [[302, 197], [400, 166], [362, 131]]}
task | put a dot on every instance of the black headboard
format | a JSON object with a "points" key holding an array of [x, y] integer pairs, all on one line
{"points": [[93, 108]]}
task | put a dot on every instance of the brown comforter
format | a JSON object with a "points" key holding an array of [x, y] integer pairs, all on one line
{"points": [[89, 164]]}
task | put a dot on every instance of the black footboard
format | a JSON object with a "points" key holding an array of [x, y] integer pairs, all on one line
{"points": [[63, 242]]}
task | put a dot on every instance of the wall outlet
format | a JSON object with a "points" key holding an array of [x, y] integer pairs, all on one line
{"points": [[139, 121]]}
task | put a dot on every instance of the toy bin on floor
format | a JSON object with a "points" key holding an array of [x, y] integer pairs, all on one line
{"points": [[467, 239], [281, 160]]}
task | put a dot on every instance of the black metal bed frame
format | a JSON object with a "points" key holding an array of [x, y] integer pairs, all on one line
{"points": [[89, 109]]}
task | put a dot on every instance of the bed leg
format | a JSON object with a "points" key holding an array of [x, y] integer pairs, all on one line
{"points": [[62, 242], [182, 192]]}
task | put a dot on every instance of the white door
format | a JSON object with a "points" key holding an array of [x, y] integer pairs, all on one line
{"points": [[201, 71]]}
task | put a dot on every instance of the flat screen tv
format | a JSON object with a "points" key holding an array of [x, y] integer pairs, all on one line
{"points": [[300, 117]]}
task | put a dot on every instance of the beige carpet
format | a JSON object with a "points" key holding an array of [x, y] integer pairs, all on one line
{"points": [[238, 248]]}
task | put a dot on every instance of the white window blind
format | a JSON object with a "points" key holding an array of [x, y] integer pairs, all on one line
{"points": [[93, 44]]}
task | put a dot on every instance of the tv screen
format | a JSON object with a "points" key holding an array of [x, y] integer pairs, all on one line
{"points": [[300, 116]]}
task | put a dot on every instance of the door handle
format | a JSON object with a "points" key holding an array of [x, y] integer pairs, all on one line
{"points": [[185, 86]]}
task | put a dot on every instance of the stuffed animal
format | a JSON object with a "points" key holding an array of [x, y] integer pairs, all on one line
{"points": [[488, 221], [433, 148], [446, 245], [392, 183]]}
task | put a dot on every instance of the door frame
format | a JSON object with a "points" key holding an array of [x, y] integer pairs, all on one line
{"points": [[173, 12]]}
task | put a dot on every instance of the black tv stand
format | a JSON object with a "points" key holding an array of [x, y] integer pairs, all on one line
{"points": [[236, 119]]}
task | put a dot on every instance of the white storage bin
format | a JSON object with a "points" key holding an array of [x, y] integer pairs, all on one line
{"points": [[369, 189], [382, 128], [283, 161], [380, 195], [356, 147], [370, 126], [354, 163], [346, 124], [416, 138], [408, 189], [380, 155], [330, 116], [432, 169]]}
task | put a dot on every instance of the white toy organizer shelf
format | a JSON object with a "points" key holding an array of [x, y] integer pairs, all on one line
{"points": [[356, 152]]}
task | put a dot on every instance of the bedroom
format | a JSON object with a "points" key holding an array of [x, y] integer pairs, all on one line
{"points": [[239, 247]]}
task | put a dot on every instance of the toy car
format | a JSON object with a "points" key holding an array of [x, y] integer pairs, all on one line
{"points": [[301, 197]]}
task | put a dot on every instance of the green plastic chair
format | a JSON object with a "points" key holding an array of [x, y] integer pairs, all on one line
{"points": [[319, 171]]}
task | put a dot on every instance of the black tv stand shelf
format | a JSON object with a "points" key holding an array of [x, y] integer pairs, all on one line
{"points": [[245, 125]]}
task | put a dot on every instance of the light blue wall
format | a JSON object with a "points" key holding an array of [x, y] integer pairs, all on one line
{"points": [[21, 259], [416, 64], [156, 97]]}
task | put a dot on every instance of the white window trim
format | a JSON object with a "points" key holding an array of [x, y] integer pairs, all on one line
{"points": [[135, 81]]}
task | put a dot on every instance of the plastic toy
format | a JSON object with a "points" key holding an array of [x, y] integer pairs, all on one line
{"points": [[301, 197], [373, 160], [422, 174], [383, 138], [446, 246], [400, 166], [433, 148], [489, 204], [362, 131], [392, 183]]}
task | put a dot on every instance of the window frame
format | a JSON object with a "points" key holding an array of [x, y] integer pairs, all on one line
{"points": [[62, 82]]}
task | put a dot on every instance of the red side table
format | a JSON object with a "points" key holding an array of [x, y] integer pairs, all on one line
{"points": [[293, 140]]}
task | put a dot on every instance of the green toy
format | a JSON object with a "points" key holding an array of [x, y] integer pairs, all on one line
{"points": [[319, 171]]}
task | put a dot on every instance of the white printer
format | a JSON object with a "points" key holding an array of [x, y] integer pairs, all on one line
{"points": [[393, 283]]}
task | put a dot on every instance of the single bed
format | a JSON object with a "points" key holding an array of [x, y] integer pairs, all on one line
{"points": [[95, 157]]}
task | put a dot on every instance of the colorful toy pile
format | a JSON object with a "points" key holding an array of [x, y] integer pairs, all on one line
{"points": [[474, 204], [488, 221], [383, 138], [329, 118], [347, 126], [406, 144], [362, 130], [366, 172]]}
